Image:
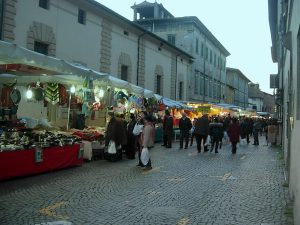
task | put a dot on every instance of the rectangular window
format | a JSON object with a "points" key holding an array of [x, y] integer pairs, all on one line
{"points": [[81, 16], [172, 38], [197, 45], [158, 84], [215, 90], [206, 53], [44, 4], [202, 85], [206, 86], [202, 50], [215, 59], [41, 47], [196, 87], [210, 88], [124, 72], [180, 90], [210, 57]]}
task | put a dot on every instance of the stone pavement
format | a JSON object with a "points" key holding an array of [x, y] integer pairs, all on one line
{"points": [[183, 188]]}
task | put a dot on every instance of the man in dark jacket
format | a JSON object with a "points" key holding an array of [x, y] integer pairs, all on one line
{"points": [[168, 129], [201, 132], [185, 126], [216, 134]]}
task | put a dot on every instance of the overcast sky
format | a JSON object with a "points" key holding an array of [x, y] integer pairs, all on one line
{"points": [[241, 26]]}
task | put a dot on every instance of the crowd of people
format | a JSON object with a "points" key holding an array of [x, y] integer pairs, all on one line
{"points": [[137, 135], [210, 131]]}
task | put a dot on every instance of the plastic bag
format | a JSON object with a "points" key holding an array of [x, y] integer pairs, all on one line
{"points": [[226, 137], [243, 142], [137, 129], [208, 140], [112, 147], [145, 156]]}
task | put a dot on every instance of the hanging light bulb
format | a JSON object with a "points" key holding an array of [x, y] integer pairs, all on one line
{"points": [[29, 94], [101, 93], [73, 89]]}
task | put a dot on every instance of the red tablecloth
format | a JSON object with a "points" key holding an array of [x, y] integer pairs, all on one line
{"points": [[22, 162]]}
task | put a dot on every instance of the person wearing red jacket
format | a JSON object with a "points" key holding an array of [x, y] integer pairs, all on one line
{"points": [[234, 132]]}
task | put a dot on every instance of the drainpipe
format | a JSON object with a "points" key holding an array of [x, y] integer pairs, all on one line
{"points": [[1, 18], [176, 77], [138, 58], [204, 75]]}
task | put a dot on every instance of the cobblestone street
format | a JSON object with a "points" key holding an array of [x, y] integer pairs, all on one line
{"points": [[183, 188]]}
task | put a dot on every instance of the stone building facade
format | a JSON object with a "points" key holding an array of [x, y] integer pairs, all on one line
{"points": [[207, 80], [239, 82], [88, 33], [284, 23]]}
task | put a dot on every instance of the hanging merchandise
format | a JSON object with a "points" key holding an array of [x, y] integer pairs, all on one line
{"points": [[52, 93], [6, 91], [86, 110], [140, 102], [88, 94], [161, 105], [63, 95], [15, 96], [38, 94]]}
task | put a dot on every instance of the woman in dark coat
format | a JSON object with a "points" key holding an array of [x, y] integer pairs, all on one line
{"points": [[234, 132], [116, 132], [130, 147]]}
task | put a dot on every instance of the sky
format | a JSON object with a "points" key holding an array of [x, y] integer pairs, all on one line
{"points": [[242, 27]]}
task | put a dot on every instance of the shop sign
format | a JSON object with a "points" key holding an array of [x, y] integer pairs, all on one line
{"points": [[204, 109], [80, 152], [38, 154]]}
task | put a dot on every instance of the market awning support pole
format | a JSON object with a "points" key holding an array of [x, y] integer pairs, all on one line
{"points": [[69, 109]]}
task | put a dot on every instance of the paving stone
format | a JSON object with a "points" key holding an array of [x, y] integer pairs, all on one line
{"points": [[203, 188]]}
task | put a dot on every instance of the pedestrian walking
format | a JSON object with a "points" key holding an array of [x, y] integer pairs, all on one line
{"points": [[147, 140], [234, 134], [192, 131], [201, 132], [167, 129], [256, 130], [185, 126], [130, 147], [216, 134]]}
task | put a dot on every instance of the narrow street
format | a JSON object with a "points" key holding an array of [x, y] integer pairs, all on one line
{"points": [[183, 188]]}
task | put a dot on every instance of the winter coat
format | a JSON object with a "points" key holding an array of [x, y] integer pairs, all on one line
{"points": [[216, 130], [116, 132], [185, 124], [234, 132], [202, 126], [244, 128], [148, 136], [168, 125]]}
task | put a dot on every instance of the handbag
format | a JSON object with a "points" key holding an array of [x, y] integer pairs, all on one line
{"points": [[145, 156], [112, 148]]}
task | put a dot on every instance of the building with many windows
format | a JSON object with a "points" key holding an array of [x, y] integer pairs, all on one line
{"points": [[88, 33], [284, 23], [207, 79], [239, 84]]}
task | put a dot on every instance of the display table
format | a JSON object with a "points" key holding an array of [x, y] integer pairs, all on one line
{"points": [[91, 148], [23, 162]]}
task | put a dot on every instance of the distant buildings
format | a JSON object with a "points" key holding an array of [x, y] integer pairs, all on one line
{"points": [[207, 79], [238, 83]]}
